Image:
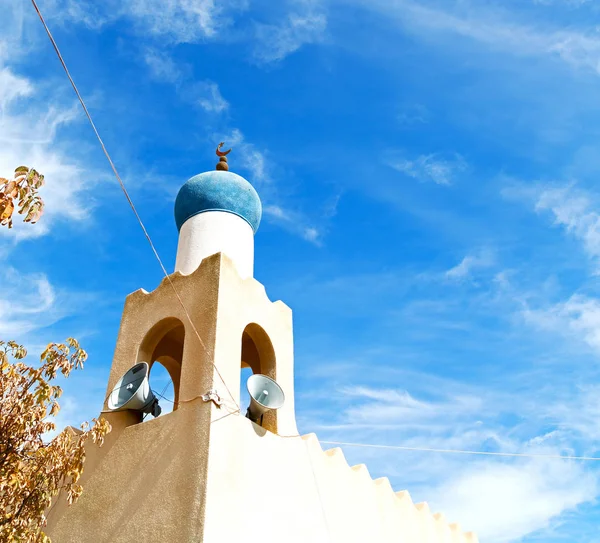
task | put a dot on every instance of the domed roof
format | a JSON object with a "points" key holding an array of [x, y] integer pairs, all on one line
{"points": [[218, 191]]}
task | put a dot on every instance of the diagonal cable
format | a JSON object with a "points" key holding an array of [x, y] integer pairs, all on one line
{"points": [[126, 193]]}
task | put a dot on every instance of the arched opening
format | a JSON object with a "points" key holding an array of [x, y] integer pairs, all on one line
{"points": [[244, 396], [162, 348], [257, 351], [162, 386], [258, 356]]}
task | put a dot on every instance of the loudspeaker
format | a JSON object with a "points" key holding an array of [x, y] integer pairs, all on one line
{"points": [[132, 391], [265, 394]]}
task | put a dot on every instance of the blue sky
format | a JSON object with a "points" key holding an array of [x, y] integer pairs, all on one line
{"points": [[431, 214]]}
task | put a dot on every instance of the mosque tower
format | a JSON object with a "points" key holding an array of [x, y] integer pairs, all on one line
{"points": [[205, 472]]}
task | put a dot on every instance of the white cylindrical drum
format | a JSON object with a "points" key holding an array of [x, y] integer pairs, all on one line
{"points": [[213, 232]]}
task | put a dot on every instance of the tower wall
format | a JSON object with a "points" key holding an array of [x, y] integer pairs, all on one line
{"points": [[185, 479], [216, 232], [205, 473], [266, 488], [146, 485]]}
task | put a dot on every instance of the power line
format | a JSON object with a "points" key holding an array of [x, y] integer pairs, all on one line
{"points": [[459, 451], [126, 193]]}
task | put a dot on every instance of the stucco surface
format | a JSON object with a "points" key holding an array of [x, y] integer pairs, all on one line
{"points": [[202, 474], [215, 232], [289, 489], [149, 485]]}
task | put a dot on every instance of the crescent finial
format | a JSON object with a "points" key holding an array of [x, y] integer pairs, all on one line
{"points": [[222, 164], [222, 153]]}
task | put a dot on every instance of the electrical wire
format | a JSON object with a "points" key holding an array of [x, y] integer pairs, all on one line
{"points": [[126, 193], [163, 397], [459, 451], [449, 451]]}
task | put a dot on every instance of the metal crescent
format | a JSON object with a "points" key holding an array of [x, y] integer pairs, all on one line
{"points": [[221, 153]]}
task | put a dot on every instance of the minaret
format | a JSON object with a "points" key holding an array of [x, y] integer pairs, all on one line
{"points": [[204, 473], [217, 212]]}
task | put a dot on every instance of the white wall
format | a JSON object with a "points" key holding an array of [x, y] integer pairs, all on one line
{"points": [[269, 489], [216, 232]]}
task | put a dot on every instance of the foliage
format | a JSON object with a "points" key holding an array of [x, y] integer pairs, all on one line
{"points": [[32, 472], [21, 192]]}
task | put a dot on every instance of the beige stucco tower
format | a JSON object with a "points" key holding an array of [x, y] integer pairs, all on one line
{"points": [[204, 472]]}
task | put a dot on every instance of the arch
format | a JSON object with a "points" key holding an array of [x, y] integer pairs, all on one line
{"points": [[257, 351], [161, 383], [258, 354], [164, 344]]}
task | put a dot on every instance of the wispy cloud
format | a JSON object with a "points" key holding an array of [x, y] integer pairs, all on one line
{"points": [[30, 123], [430, 167], [252, 158], [29, 303], [203, 94], [295, 222], [495, 28], [12, 87], [173, 21], [577, 318], [162, 66], [508, 501], [207, 95], [306, 23], [574, 210], [181, 21], [469, 263], [384, 406], [275, 207]]}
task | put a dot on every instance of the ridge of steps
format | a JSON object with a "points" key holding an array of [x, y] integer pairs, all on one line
{"points": [[393, 504]]}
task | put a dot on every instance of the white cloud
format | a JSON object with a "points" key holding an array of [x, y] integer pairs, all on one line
{"points": [[208, 97], [504, 502], [430, 168], [162, 66], [573, 210], [198, 21], [31, 118], [204, 94], [66, 181], [173, 21], [180, 21], [304, 26], [578, 317], [493, 28], [12, 87], [578, 416], [468, 264], [27, 303], [86, 12], [312, 234], [251, 158], [389, 405], [294, 221]]}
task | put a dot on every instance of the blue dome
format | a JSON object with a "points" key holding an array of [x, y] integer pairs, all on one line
{"points": [[218, 191]]}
